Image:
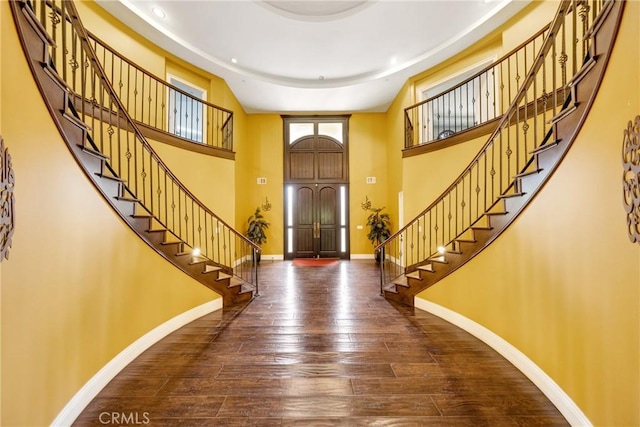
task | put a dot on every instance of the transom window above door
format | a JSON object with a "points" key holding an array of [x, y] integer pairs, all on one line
{"points": [[330, 129]]}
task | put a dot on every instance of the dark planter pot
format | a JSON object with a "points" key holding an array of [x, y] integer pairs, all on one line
{"points": [[379, 256], [255, 257]]}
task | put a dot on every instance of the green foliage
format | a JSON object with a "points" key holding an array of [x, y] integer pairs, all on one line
{"points": [[257, 227], [379, 226]]}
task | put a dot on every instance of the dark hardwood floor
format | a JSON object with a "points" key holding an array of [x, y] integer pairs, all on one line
{"points": [[320, 347]]}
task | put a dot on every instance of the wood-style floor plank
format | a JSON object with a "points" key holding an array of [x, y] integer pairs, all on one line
{"points": [[321, 347]]}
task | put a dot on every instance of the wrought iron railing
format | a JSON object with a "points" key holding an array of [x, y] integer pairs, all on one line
{"points": [[476, 100], [525, 126], [114, 133], [152, 101]]}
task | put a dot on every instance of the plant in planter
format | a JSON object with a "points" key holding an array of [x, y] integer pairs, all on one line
{"points": [[379, 227], [256, 230]]}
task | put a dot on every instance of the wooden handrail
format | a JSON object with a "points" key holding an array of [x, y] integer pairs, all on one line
{"points": [[446, 110], [507, 154], [505, 118], [84, 36], [111, 50], [147, 190], [485, 69]]}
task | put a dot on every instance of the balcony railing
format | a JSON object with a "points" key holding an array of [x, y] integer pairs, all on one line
{"points": [[114, 133], [524, 126], [153, 102], [478, 99]]}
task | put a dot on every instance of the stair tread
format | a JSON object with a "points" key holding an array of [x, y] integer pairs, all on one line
{"points": [[198, 260], [563, 113], [401, 281], [156, 230], [507, 196], [439, 259], [532, 172], [428, 268], [224, 276], [127, 199], [481, 227], [145, 215], [211, 269], [545, 147], [76, 121], [414, 275], [111, 177], [93, 152]]}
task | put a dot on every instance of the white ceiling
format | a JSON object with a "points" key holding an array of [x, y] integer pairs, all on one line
{"points": [[314, 56]]}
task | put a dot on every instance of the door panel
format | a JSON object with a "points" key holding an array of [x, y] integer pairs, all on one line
{"points": [[304, 223], [302, 165], [330, 166], [328, 221]]}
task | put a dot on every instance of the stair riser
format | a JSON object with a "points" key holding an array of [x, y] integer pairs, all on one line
{"points": [[108, 186], [156, 238], [530, 183], [401, 298], [170, 250]]}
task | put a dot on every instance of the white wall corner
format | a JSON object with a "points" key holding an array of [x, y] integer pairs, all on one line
{"points": [[90, 390], [554, 393]]}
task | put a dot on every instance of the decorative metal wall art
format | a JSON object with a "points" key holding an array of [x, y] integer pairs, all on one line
{"points": [[366, 205], [266, 206], [7, 213], [631, 178]]}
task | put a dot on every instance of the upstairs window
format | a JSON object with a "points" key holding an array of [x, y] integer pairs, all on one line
{"points": [[186, 115]]}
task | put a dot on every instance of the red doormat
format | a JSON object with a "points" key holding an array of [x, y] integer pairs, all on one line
{"points": [[314, 262]]}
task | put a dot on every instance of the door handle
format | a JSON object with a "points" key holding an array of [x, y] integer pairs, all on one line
{"points": [[316, 230]]}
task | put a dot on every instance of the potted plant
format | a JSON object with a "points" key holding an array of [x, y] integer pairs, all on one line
{"points": [[256, 229], [379, 227]]}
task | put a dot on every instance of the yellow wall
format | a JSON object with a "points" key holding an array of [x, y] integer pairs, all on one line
{"points": [[263, 155], [207, 177], [79, 286], [368, 157], [562, 284], [426, 176], [395, 145]]}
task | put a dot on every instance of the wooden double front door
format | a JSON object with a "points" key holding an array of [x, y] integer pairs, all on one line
{"points": [[316, 188], [317, 229]]}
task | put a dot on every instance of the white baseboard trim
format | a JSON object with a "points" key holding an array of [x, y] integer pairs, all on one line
{"points": [[90, 390], [554, 393], [271, 257], [362, 256]]}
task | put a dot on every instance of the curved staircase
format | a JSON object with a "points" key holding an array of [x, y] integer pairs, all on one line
{"points": [[529, 143], [118, 160]]}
